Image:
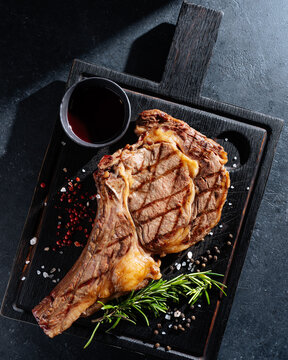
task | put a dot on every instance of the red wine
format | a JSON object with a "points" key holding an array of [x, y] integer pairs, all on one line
{"points": [[95, 114]]}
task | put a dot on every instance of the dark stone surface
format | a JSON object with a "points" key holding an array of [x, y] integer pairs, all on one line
{"points": [[249, 68]]}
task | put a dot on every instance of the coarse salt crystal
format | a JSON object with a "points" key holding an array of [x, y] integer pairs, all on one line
{"points": [[42, 266], [199, 305], [27, 261], [54, 281], [234, 166], [230, 204], [220, 226], [63, 143], [98, 196], [52, 270], [63, 189], [45, 203], [189, 255], [169, 326], [247, 188], [178, 267], [163, 333], [226, 139], [167, 317], [59, 269], [83, 170], [87, 204], [45, 274], [183, 263], [33, 241], [38, 272], [61, 252], [235, 158], [177, 313], [210, 233], [23, 278], [46, 248]]}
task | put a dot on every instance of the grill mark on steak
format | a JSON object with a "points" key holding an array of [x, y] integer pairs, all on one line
{"points": [[167, 203], [158, 215], [153, 174], [161, 199], [166, 157], [151, 180]]}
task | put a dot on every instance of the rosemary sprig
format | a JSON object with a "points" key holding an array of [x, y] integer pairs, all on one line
{"points": [[154, 299]]}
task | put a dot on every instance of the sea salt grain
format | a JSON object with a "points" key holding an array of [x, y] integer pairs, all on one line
{"points": [[226, 139], [27, 261], [98, 196], [38, 272], [183, 263], [247, 188], [230, 204], [63, 143], [52, 270], [45, 275], [23, 278], [178, 267], [220, 226], [163, 333], [167, 317], [234, 166], [63, 189], [231, 187], [235, 158], [177, 313], [42, 266], [54, 281], [33, 241], [83, 170], [46, 248]]}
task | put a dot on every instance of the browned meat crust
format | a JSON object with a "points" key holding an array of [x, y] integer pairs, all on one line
{"points": [[158, 196]]}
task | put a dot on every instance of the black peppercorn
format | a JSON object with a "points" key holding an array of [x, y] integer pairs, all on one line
{"points": [[159, 326], [157, 345], [156, 332], [193, 317], [168, 348]]}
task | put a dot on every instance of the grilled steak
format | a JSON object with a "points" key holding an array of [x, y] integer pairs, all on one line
{"points": [[159, 196]]}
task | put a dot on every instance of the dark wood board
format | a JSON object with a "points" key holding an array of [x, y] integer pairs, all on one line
{"points": [[252, 138]]}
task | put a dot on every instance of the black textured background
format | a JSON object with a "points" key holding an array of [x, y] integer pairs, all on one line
{"points": [[39, 40]]}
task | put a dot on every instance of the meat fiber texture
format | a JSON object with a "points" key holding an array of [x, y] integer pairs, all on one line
{"points": [[158, 196]]}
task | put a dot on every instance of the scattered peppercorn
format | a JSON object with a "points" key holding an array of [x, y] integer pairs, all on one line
{"points": [[175, 327], [193, 317], [157, 345], [156, 332], [215, 257], [229, 243], [203, 265], [168, 348], [159, 326], [187, 325], [197, 262]]}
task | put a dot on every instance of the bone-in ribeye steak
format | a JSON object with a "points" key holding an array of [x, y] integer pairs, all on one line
{"points": [[158, 196]]}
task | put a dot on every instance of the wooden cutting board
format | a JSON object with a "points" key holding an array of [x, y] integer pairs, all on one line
{"points": [[250, 140]]}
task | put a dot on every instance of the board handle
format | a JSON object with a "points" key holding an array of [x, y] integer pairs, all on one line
{"points": [[190, 51]]}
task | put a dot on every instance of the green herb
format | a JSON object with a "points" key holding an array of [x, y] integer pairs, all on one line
{"points": [[155, 297]]}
